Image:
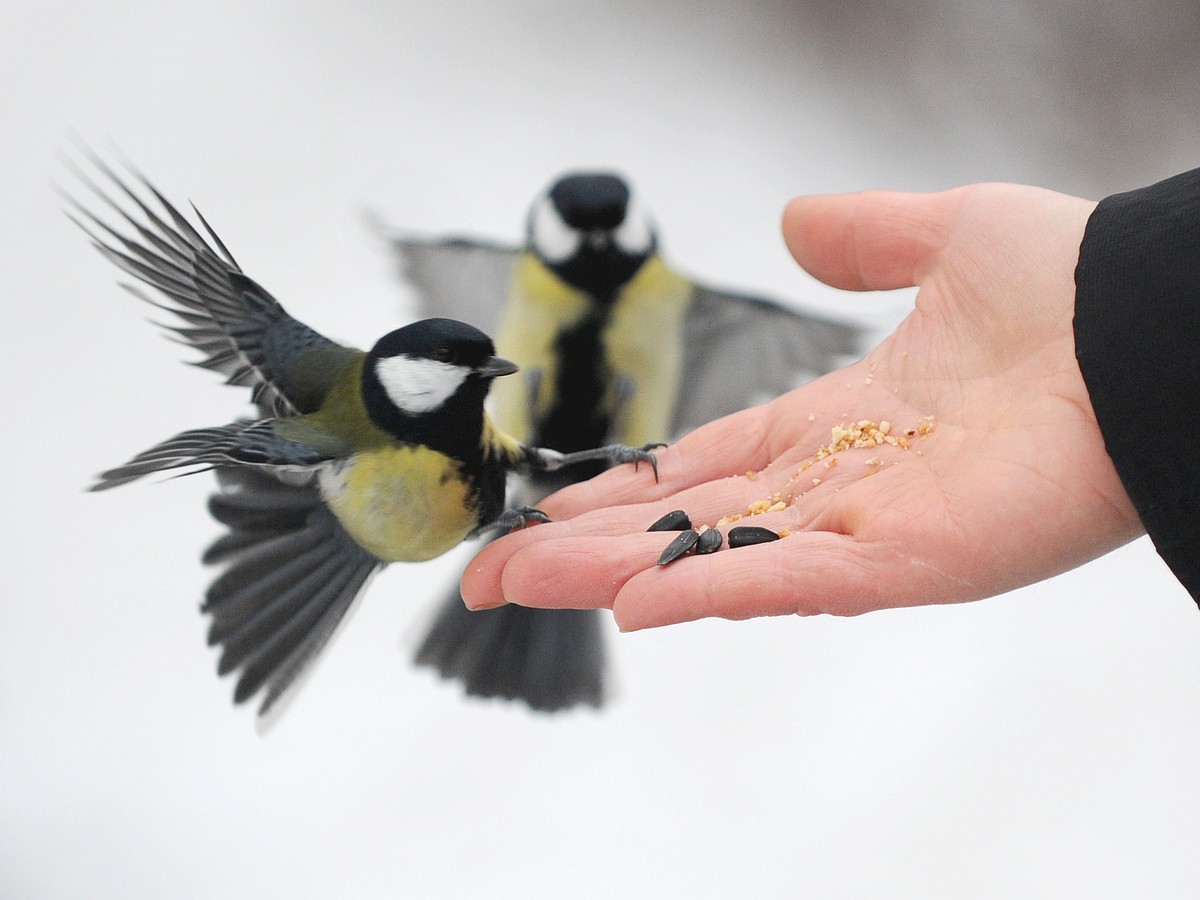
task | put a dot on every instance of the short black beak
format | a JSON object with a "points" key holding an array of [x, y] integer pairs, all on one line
{"points": [[598, 239], [494, 367]]}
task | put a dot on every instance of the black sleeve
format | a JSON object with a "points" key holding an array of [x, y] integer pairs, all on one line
{"points": [[1137, 340]]}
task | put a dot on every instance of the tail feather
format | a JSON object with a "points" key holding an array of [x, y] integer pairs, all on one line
{"points": [[552, 659], [292, 575], [254, 518], [274, 559], [288, 647], [252, 634]]}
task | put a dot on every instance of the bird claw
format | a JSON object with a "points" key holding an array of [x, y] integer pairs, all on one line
{"points": [[619, 453], [547, 460], [515, 518]]}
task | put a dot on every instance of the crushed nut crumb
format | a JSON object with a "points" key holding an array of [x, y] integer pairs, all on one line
{"points": [[866, 434]]}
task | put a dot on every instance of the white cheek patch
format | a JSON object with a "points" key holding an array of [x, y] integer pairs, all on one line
{"points": [[634, 235], [419, 385], [553, 239]]}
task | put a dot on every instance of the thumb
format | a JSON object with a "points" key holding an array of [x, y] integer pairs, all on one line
{"points": [[869, 241]]}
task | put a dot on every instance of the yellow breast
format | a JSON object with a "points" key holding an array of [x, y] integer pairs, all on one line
{"points": [[645, 346], [403, 504], [643, 343], [540, 306]]}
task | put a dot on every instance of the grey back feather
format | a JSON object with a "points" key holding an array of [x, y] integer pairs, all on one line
{"points": [[740, 350], [457, 277]]}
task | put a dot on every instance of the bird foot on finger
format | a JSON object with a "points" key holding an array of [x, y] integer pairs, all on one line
{"points": [[619, 453], [515, 518], [614, 454]]}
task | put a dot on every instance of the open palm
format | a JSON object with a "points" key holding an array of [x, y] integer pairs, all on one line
{"points": [[983, 469]]}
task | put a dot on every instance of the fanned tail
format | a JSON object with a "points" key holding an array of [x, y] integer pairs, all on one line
{"points": [[551, 659], [292, 575]]}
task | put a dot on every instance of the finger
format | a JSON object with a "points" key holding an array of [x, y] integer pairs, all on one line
{"points": [[483, 587], [735, 444], [578, 572], [869, 241], [804, 574], [744, 442], [765, 497]]}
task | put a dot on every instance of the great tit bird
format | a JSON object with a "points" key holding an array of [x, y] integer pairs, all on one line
{"points": [[616, 345], [355, 460]]}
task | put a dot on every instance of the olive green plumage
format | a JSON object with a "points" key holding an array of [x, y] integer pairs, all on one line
{"points": [[356, 460]]}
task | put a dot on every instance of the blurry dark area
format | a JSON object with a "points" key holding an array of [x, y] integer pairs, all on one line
{"points": [[1099, 96]]}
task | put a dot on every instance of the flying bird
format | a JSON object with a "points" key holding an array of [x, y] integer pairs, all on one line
{"points": [[354, 459], [615, 345]]}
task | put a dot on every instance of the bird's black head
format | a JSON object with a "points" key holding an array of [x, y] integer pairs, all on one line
{"points": [[590, 200], [591, 232], [431, 374]]}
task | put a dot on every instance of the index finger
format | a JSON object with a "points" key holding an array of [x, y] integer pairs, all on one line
{"points": [[711, 451], [743, 442]]}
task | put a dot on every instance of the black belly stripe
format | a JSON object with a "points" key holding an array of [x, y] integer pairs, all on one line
{"points": [[578, 420]]}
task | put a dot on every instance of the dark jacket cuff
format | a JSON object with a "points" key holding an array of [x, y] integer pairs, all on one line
{"points": [[1137, 340]]}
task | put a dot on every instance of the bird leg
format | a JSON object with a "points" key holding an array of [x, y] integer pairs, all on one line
{"points": [[546, 460]]}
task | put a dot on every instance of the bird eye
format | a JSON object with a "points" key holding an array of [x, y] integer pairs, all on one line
{"points": [[443, 354]]}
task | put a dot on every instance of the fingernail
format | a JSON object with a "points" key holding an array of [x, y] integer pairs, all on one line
{"points": [[486, 604]]}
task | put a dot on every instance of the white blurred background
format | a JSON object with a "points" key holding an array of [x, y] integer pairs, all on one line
{"points": [[1042, 744]]}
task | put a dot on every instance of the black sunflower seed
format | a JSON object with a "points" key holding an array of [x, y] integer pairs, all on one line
{"points": [[676, 520], [745, 535], [684, 542], [709, 541]]}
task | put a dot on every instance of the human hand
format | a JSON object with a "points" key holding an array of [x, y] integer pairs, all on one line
{"points": [[1011, 483]]}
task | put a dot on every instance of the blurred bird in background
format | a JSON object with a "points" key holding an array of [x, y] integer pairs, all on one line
{"points": [[615, 346], [355, 459]]}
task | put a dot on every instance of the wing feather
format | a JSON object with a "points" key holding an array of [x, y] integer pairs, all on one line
{"points": [[256, 444], [239, 328], [740, 350], [457, 277]]}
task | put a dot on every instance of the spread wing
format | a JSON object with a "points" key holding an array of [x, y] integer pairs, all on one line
{"points": [[456, 277], [740, 350], [240, 329], [249, 444]]}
